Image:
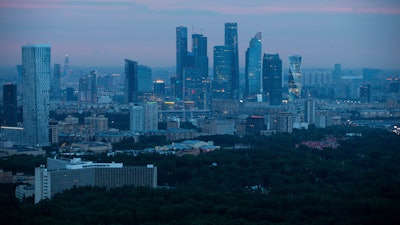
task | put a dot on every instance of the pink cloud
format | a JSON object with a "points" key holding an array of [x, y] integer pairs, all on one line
{"points": [[235, 7]]}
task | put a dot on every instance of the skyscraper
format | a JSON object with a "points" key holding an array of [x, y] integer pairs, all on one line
{"points": [[294, 78], [199, 50], [222, 82], [88, 87], [136, 119], [67, 66], [272, 78], [253, 67], [231, 39], [55, 89], [144, 79], [10, 117], [131, 83], [181, 59], [36, 70], [150, 116]]}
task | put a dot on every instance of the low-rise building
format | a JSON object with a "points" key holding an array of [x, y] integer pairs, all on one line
{"points": [[61, 175]]}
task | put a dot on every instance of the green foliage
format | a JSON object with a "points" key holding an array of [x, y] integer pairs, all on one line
{"points": [[357, 183], [22, 163]]}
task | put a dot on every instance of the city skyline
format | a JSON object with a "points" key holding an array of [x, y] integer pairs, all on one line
{"points": [[356, 34]]}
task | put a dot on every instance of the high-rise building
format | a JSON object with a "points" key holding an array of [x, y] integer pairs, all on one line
{"points": [[67, 66], [36, 71], [253, 67], [150, 116], [55, 88], [199, 50], [337, 72], [131, 83], [222, 82], [309, 111], [10, 103], [231, 39], [144, 117], [181, 59], [294, 78], [144, 79], [136, 119], [272, 78], [88, 87]]}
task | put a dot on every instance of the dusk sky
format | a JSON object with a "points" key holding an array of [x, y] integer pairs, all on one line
{"points": [[355, 33]]}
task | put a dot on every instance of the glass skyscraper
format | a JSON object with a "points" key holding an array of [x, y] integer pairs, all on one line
{"points": [[294, 78], [231, 40], [181, 59], [272, 78], [55, 83], [10, 117], [253, 67], [131, 83], [36, 72], [222, 82]]}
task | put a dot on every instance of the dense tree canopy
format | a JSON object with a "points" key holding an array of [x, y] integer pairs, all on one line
{"points": [[271, 183]]}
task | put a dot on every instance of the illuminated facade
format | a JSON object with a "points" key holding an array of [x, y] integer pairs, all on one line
{"points": [[294, 78], [36, 72]]}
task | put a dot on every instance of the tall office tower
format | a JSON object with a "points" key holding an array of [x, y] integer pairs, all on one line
{"points": [[365, 93], [253, 67], [36, 71], [199, 50], [131, 83], [136, 119], [10, 117], [337, 72], [231, 39], [272, 78], [195, 75], [222, 82], [144, 79], [294, 78], [181, 59], [88, 87], [309, 111], [55, 88], [67, 66], [150, 116]]}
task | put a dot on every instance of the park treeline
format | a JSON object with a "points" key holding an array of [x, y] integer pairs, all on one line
{"points": [[275, 181]]}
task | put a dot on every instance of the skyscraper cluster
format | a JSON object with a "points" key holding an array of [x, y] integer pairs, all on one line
{"points": [[191, 82], [263, 74]]}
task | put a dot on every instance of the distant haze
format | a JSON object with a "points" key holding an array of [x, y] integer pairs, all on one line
{"points": [[355, 33]]}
